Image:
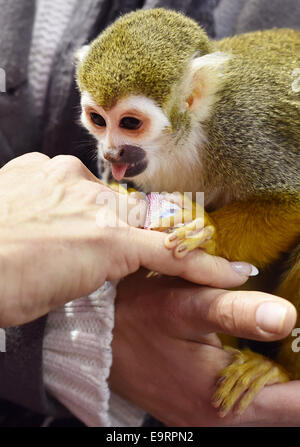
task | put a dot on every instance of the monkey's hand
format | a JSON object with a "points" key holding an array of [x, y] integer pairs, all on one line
{"points": [[196, 234], [192, 227], [239, 382]]}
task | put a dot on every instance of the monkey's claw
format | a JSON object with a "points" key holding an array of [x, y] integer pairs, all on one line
{"points": [[188, 237], [239, 382]]}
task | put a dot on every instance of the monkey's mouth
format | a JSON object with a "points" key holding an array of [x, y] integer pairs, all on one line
{"points": [[120, 170]]}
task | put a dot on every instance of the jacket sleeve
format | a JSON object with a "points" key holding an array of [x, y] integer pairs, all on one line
{"points": [[21, 371], [16, 104]]}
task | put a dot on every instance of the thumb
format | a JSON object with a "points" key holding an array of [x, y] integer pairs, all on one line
{"points": [[244, 314]]}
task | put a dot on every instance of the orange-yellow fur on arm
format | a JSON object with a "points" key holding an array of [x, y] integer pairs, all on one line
{"points": [[257, 231]]}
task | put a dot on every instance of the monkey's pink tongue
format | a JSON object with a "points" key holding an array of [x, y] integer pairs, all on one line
{"points": [[118, 170]]}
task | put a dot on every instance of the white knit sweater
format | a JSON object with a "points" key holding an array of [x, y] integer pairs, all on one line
{"points": [[77, 345], [77, 360]]}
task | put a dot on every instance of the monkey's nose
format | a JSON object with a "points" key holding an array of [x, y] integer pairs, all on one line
{"points": [[126, 154], [113, 157]]}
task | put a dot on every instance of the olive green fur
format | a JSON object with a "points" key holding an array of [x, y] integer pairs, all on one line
{"points": [[127, 58], [254, 130]]}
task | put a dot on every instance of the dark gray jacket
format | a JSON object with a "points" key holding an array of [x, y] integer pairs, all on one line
{"points": [[58, 132]]}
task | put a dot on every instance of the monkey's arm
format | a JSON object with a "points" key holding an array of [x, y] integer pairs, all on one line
{"points": [[257, 231]]}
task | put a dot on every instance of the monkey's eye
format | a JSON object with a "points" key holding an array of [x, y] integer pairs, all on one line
{"points": [[98, 119], [130, 123]]}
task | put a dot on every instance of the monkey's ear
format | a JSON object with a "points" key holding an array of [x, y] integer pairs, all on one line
{"points": [[81, 54], [202, 81]]}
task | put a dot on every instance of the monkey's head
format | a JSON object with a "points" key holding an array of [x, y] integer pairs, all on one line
{"points": [[145, 83]]}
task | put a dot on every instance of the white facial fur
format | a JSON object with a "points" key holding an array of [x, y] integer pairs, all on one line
{"points": [[170, 167], [111, 140]]}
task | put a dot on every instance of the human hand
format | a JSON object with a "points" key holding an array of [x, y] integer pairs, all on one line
{"points": [[60, 239], [166, 354]]}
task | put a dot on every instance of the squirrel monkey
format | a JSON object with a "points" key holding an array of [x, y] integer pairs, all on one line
{"points": [[173, 110]]}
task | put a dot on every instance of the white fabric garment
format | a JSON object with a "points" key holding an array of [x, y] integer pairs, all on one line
{"points": [[77, 358], [77, 355]]}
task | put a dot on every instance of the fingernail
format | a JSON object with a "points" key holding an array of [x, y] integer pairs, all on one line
{"points": [[172, 237], [270, 317], [243, 268], [181, 248]]}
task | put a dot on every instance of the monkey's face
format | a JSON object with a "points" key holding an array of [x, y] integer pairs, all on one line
{"points": [[129, 135], [148, 82]]}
